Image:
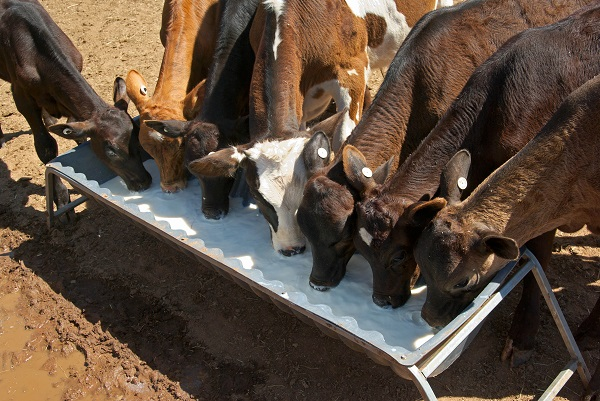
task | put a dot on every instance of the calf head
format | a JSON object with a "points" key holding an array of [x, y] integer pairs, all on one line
{"points": [[327, 219], [200, 139], [457, 259], [276, 172], [458, 255], [113, 138], [387, 232], [167, 151]]}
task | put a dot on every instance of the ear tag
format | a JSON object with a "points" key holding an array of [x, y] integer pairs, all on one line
{"points": [[68, 131], [210, 153], [322, 152], [143, 90], [367, 172], [462, 183]]}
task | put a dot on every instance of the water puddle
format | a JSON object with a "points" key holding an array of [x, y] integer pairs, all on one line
{"points": [[28, 373]]}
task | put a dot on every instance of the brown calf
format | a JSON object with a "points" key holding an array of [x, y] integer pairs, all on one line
{"points": [[189, 30], [553, 182], [43, 67], [426, 75], [502, 106]]}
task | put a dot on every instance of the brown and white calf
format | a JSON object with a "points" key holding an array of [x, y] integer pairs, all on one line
{"points": [[310, 52], [188, 33], [43, 67], [427, 74], [502, 106], [553, 182]]}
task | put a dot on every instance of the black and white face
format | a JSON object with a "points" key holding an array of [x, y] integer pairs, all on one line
{"points": [[276, 175]]}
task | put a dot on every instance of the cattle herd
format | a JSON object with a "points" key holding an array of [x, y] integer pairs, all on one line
{"points": [[481, 138]]}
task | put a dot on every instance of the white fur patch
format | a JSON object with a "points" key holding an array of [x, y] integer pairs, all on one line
{"points": [[157, 136], [396, 28], [237, 155], [282, 176], [365, 236], [277, 7], [443, 3]]}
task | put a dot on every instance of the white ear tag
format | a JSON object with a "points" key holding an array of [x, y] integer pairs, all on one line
{"points": [[322, 152], [143, 90], [165, 130], [367, 172], [462, 183], [68, 131]]}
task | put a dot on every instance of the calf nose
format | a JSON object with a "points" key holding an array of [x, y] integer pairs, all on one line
{"points": [[382, 301], [213, 213], [295, 250], [171, 188]]}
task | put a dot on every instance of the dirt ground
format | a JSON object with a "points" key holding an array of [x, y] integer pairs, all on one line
{"points": [[100, 310]]}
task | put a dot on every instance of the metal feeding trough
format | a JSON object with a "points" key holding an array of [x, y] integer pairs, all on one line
{"points": [[397, 338]]}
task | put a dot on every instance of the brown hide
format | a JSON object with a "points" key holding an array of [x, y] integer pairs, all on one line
{"points": [[429, 71], [189, 30], [552, 181]]}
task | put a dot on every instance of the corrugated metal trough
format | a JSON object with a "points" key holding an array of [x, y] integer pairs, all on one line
{"points": [[396, 338]]}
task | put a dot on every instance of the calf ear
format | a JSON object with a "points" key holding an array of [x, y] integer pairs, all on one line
{"points": [[192, 103], [384, 171], [504, 247], [170, 128], [222, 163], [331, 126], [74, 130], [137, 89], [454, 176], [421, 213], [355, 167], [120, 98], [316, 153]]}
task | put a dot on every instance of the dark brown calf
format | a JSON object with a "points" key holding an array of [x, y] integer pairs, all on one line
{"points": [[43, 67], [502, 106], [553, 182], [222, 120], [428, 72], [188, 33]]}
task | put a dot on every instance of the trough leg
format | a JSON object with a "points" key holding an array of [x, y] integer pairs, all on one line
{"points": [[526, 321]]}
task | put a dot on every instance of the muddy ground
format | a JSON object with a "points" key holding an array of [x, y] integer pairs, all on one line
{"points": [[100, 310]]}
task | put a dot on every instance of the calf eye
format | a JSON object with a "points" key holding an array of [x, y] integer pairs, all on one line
{"points": [[462, 284], [400, 257], [111, 152], [466, 284]]}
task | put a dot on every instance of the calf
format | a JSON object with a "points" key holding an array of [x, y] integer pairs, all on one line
{"points": [[188, 33], [43, 67], [551, 183], [428, 72], [222, 120], [502, 106], [310, 52]]}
